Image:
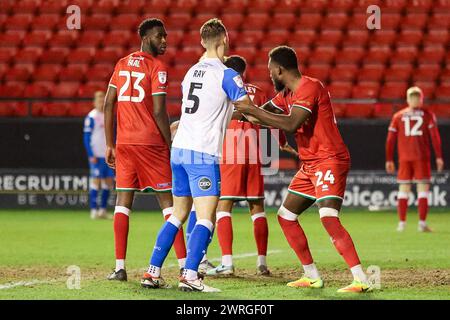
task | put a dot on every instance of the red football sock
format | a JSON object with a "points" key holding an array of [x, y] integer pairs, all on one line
{"points": [[341, 240], [225, 233], [121, 233], [179, 244], [423, 208], [296, 239], [261, 232], [402, 207]]}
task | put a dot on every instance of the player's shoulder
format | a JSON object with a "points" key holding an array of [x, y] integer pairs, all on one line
{"points": [[91, 113], [400, 112], [310, 83]]}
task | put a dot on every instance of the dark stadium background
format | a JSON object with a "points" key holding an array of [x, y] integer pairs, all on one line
{"points": [[48, 74]]}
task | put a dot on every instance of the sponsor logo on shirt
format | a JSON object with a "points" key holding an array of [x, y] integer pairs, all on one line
{"points": [[162, 76]]}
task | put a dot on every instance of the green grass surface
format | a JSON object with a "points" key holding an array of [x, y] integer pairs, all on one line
{"points": [[38, 246]]}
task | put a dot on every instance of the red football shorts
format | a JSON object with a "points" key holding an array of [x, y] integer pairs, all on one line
{"points": [[320, 181], [241, 182], [414, 171], [143, 168]]}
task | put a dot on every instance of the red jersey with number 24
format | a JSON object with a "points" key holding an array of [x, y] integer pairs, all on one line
{"points": [[137, 78], [318, 139]]}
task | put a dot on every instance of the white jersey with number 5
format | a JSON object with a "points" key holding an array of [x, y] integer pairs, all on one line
{"points": [[209, 88]]}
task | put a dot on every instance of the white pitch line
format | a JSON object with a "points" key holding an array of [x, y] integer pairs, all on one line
{"points": [[26, 283]]}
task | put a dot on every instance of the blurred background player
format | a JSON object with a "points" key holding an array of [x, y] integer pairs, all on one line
{"points": [[101, 176], [209, 87], [325, 164], [414, 127], [141, 152], [242, 179]]}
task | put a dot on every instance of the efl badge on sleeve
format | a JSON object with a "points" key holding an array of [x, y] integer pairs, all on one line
{"points": [[162, 76], [239, 81]]}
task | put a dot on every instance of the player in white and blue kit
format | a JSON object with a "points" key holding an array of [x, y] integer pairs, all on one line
{"points": [[101, 176], [209, 88]]}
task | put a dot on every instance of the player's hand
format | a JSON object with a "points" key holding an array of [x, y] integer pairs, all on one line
{"points": [[390, 167], [243, 106], [110, 157], [440, 164], [93, 160], [288, 148]]}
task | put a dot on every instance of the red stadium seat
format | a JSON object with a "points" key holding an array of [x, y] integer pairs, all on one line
{"points": [[409, 37], [350, 55], [329, 38], [371, 72], [90, 39], [339, 109], [108, 56], [428, 88], [261, 6], [439, 20], [52, 109], [344, 72], [314, 6], [398, 72], [404, 54], [63, 39], [100, 72], [19, 21], [377, 55], [66, 89], [393, 90], [383, 37], [319, 71], [196, 22], [116, 38], [308, 21], [432, 54], [187, 57], [302, 37], [36, 90], [26, 6], [131, 6], [440, 110], [37, 38], [79, 109], [158, 6], [233, 20], [73, 72], [323, 54], [174, 110], [358, 21], [334, 21], [48, 86], [28, 55], [340, 5], [12, 108], [287, 6], [356, 110], [55, 55], [47, 72], [178, 72], [443, 91], [427, 72], [258, 74], [257, 21], [251, 37], [383, 110], [340, 89], [178, 21], [261, 58], [18, 73], [81, 56], [97, 22], [419, 6], [395, 6], [356, 38], [11, 38], [87, 90], [390, 21], [366, 90], [283, 21], [436, 37], [184, 6], [6, 55], [174, 91], [103, 6], [414, 21], [46, 21], [12, 89], [274, 38], [55, 7], [445, 75]]}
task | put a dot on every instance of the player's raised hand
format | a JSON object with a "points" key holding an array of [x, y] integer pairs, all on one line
{"points": [[243, 106], [439, 164], [390, 167], [111, 157]]}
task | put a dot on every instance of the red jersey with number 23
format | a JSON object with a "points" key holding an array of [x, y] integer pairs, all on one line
{"points": [[137, 78], [318, 139]]}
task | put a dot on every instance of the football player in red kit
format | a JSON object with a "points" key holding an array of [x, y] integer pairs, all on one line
{"points": [[415, 128], [242, 179], [325, 164], [140, 153]]}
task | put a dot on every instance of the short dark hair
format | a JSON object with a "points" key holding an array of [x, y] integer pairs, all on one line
{"points": [[237, 63], [284, 56], [149, 24], [212, 29]]}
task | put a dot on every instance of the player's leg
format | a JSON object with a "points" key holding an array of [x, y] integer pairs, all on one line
{"points": [[94, 186], [225, 237], [261, 233], [107, 183], [422, 175], [165, 201], [288, 214], [404, 178]]}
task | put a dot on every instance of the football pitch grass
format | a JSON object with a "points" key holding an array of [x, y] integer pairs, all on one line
{"points": [[38, 246]]}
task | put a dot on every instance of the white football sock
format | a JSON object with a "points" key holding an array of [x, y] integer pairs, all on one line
{"points": [[358, 273], [181, 262], [154, 271], [120, 264], [190, 275], [422, 223], [311, 271], [227, 260], [261, 261]]}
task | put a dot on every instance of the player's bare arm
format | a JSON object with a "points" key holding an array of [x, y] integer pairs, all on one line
{"points": [[161, 117], [288, 123], [108, 109]]}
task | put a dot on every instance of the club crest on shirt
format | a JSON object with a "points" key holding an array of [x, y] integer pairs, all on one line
{"points": [[238, 81], [162, 76]]}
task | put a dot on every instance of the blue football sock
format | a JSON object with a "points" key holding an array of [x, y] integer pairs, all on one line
{"points": [[164, 241], [191, 224], [104, 198], [93, 194], [198, 243]]}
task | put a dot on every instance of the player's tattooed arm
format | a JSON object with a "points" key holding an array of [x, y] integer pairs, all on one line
{"points": [[161, 117], [288, 123], [108, 109]]}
